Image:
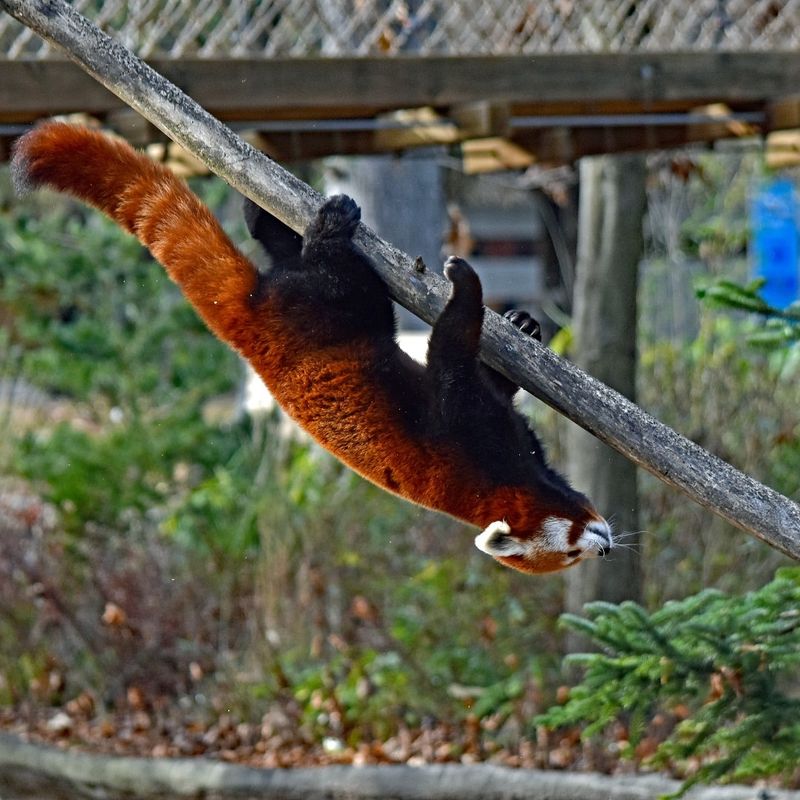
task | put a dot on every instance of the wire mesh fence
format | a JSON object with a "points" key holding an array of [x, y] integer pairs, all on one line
{"points": [[263, 28]]}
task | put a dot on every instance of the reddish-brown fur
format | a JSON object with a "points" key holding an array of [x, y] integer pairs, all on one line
{"points": [[330, 391], [325, 392]]}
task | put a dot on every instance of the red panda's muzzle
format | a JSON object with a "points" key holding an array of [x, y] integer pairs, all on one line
{"points": [[556, 544]]}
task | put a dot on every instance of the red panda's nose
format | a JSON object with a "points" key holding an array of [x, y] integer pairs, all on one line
{"points": [[596, 539]]}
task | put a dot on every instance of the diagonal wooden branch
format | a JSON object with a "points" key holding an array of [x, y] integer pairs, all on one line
{"points": [[705, 478]]}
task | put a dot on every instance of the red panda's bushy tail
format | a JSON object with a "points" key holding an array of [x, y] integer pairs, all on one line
{"points": [[157, 207]]}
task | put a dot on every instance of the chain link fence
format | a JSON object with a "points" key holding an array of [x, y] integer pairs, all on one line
{"points": [[253, 28]]}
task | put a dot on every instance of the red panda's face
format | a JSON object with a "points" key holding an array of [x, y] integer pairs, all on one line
{"points": [[552, 543]]}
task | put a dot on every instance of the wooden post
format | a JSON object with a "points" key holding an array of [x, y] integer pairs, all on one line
{"points": [[705, 478], [612, 207]]}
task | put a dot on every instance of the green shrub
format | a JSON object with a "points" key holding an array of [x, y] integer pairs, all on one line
{"points": [[740, 403], [732, 661], [94, 315], [778, 328]]}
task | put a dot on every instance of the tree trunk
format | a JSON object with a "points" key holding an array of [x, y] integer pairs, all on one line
{"points": [[612, 206]]}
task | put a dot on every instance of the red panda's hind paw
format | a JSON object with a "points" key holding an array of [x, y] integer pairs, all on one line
{"points": [[456, 269], [461, 275], [338, 216], [525, 322]]}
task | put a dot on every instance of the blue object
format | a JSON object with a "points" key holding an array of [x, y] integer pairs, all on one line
{"points": [[774, 222]]}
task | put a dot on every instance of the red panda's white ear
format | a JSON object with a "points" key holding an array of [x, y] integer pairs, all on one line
{"points": [[496, 540]]}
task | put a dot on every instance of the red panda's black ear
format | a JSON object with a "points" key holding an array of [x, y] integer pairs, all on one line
{"points": [[496, 540]]}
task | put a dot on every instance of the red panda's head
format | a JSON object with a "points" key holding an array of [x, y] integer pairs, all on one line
{"points": [[535, 533]]}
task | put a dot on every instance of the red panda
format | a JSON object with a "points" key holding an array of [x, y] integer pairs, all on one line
{"points": [[319, 328]]}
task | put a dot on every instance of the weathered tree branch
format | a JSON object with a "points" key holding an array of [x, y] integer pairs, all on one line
{"points": [[29, 771], [705, 478]]}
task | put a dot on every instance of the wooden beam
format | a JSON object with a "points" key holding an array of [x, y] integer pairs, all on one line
{"points": [[783, 149], [564, 144], [494, 154], [480, 95], [237, 89], [482, 119], [421, 127], [784, 113]]}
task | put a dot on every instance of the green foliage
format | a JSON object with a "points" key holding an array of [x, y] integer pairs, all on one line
{"points": [[716, 223], [219, 514], [780, 328], [355, 694], [87, 315], [125, 469], [732, 660], [93, 315], [715, 228], [741, 404], [420, 620], [401, 647]]}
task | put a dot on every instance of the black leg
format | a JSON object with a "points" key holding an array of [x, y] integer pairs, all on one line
{"points": [[528, 325], [336, 293], [456, 334], [466, 407], [280, 242], [453, 350]]}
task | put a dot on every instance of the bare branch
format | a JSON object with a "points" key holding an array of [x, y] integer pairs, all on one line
{"points": [[705, 478]]}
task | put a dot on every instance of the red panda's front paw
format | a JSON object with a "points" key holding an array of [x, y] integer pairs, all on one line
{"points": [[525, 322], [338, 216]]}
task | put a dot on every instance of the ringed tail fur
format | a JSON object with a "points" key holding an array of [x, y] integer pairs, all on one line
{"points": [[157, 207]]}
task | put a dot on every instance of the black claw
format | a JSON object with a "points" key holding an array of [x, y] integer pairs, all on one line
{"points": [[525, 322]]}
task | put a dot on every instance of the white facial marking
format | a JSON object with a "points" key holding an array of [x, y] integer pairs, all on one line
{"points": [[596, 539], [556, 530], [496, 541]]}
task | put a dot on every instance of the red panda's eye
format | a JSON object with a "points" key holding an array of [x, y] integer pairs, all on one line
{"points": [[573, 553]]}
